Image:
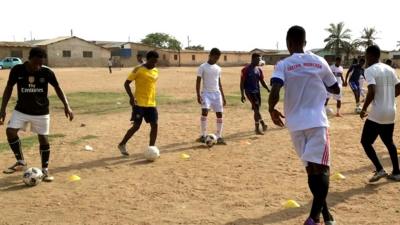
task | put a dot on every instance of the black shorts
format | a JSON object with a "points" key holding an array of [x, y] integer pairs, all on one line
{"points": [[150, 114], [254, 99]]}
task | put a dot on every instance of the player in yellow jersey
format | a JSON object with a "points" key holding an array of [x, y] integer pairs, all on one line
{"points": [[143, 102]]}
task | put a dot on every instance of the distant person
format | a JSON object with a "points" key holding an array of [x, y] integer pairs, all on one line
{"points": [[383, 88], [337, 70], [139, 58], [212, 95], [32, 79], [389, 62], [356, 71], [110, 65], [251, 77], [306, 78], [143, 102]]}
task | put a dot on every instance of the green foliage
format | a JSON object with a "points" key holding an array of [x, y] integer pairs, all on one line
{"points": [[195, 47], [338, 39], [162, 40]]}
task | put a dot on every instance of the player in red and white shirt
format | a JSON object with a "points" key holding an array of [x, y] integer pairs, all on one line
{"points": [[306, 78], [337, 70]]}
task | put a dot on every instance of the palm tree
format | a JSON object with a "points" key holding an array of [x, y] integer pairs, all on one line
{"points": [[398, 44], [368, 36], [351, 48], [338, 37]]}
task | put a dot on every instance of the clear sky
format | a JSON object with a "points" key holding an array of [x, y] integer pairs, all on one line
{"points": [[227, 24]]}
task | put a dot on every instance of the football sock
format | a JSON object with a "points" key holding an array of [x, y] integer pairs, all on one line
{"points": [[203, 125], [220, 126], [319, 185], [15, 145], [45, 155]]}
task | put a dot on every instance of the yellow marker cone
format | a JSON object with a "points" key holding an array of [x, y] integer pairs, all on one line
{"points": [[74, 178], [338, 176], [291, 204], [185, 156]]}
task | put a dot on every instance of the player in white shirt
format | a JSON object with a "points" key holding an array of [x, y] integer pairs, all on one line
{"points": [[212, 95], [383, 88], [306, 78], [337, 70]]}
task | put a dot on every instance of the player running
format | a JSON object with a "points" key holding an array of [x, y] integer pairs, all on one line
{"points": [[144, 101], [32, 79], [354, 81], [383, 88], [250, 80], [212, 95], [337, 70], [306, 78]]}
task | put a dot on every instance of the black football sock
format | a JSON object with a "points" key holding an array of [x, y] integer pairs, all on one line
{"points": [[15, 145], [45, 155], [262, 122], [319, 185]]}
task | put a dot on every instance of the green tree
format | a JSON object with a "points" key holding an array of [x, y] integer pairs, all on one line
{"points": [[162, 40], [351, 48], [338, 38], [195, 47], [368, 36]]}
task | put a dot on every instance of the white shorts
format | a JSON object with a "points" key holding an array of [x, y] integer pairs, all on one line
{"points": [[212, 100], [337, 97], [39, 124], [312, 145]]}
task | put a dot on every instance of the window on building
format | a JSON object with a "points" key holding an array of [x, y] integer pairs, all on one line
{"points": [[225, 58], [396, 57], [164, 57], [66, 53], [175, 57], [87, 54], [16, 53], [193, 57]]}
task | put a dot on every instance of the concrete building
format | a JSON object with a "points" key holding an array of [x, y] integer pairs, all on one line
{"points": [[15, 49], [271, 57], [196, 58], [74, 52]]}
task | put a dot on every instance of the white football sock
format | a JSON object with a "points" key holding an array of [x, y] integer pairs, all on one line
{"points": [[220, 125], [203, 125]]}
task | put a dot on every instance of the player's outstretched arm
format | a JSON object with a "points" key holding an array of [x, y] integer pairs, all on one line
{"points": [[273, 99], [67, 109], [198, 84], [222, 92], [243, 98], [370, 97], [265, 85], [6, 97], [127, 86], [347, 75]]}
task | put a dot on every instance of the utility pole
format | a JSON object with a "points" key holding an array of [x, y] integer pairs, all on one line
{"points": [[72, 33], [188, 41]]}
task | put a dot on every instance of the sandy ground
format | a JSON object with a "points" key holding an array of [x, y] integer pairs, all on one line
{"points": [[243, 183]]}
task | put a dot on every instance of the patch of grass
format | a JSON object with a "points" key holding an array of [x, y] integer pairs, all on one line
{"points": [[100, 103], [84, 138], [29, 142]]}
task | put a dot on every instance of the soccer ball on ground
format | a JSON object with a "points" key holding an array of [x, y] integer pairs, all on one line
{"points": [[358, 110], [32, 176], [152, 154], [329, 111], [211, 140]]}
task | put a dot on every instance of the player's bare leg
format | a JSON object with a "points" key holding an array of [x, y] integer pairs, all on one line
{"points": [[15, 145], [129, 134]]}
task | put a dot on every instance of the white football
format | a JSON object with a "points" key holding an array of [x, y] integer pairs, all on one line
{"points": [[329, 111], [358, 110], [211, 140], [152, 153], [32, 176]]}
